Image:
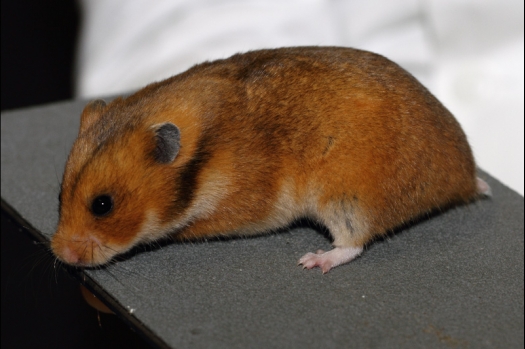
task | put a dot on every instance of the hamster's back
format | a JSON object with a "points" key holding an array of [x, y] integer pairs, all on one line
{"points": [[341, 123]]}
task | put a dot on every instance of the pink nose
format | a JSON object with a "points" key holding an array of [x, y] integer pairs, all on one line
{"points": [[70, 256]]}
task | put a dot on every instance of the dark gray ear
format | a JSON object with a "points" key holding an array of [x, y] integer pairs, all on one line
{"points": [[167, 138]]}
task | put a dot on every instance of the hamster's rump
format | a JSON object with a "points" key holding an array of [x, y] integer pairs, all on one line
{"points": [[250, 143]]}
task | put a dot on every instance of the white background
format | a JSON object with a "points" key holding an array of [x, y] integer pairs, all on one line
{"points": [[469, 53]]}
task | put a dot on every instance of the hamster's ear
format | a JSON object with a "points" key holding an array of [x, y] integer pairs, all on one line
{"points": [[167, 143], [91, 113]]}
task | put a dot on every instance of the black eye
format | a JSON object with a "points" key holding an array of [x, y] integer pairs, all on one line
{"points": [[102, 205]]}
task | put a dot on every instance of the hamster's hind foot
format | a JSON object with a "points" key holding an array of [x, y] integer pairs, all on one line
{"points": [[330, 259]]}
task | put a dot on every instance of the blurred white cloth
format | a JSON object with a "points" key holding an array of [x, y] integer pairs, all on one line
{"points": [[469, 53]]}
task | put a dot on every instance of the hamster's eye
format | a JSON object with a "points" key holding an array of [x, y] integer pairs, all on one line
{"points": [[102, 205]]}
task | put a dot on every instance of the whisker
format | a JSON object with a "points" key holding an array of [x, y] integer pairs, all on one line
{"points": [[84, 251], [55, 269], [113, 276]]}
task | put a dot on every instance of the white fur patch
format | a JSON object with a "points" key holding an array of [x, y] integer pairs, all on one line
{"points": [[215, 187]]}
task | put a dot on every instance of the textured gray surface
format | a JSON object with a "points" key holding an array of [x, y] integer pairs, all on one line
{"points": [[454, 281]]}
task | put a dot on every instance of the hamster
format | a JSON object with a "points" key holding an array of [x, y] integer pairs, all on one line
{"points": [[248, 144]]}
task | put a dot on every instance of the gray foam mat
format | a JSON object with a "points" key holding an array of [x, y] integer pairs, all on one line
{"points": [[453, 281]]}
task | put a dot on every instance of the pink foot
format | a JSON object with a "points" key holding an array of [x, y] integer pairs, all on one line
{"points": [[330, 259]]}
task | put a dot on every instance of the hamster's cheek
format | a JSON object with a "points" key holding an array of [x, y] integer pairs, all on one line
{"points": [[151, 229]]}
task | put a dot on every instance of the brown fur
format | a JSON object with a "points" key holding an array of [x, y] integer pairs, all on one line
{"points": [[340, 135]]}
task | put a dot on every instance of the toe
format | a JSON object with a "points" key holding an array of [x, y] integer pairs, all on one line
{"points": [[305, 258]]}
